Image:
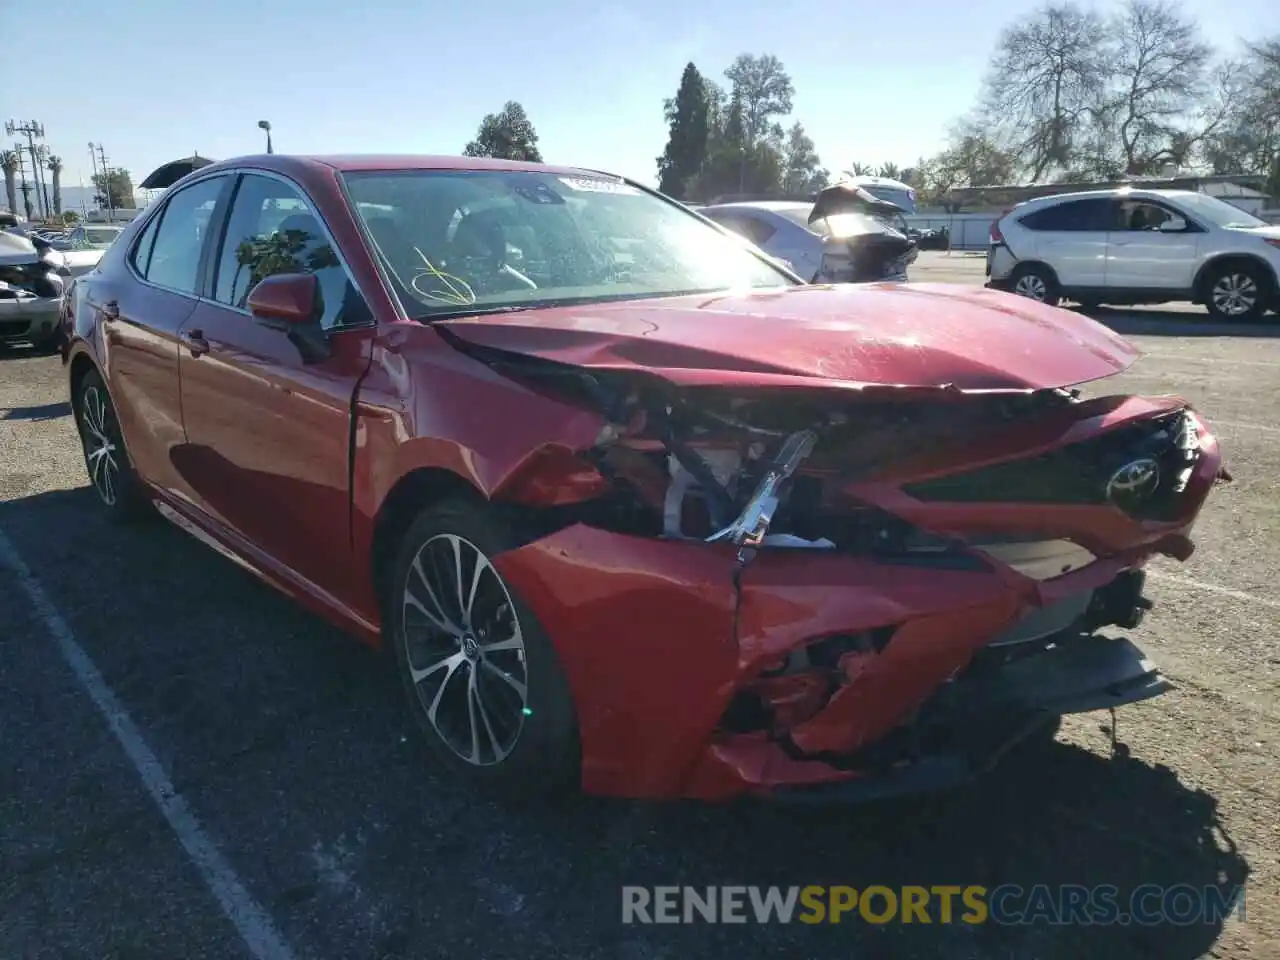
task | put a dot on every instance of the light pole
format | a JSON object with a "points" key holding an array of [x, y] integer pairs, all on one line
{"points": [[266, 125]]}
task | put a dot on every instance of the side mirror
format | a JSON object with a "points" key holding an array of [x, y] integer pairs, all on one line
{"points": [[1173, 225], [285, 299], [291, 302]]}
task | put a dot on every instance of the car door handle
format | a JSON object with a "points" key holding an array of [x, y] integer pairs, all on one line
{"points": [[111, 310], [196, 342]]}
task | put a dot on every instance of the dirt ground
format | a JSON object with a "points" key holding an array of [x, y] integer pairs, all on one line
{"points": [[288, 745]]}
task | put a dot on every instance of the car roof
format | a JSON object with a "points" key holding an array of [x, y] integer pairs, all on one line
{"points": [[1107, 194], [774, 206], [349, 163]]}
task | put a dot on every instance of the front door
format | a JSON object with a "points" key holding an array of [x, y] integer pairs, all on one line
{"points": [[1142, 257], [269, 430]]}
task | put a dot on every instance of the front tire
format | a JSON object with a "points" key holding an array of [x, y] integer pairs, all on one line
{"points": [[483, 680], [106, 459], [1036, 282], [1237, 292]]}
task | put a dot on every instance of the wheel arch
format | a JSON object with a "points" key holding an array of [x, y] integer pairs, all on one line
{"points": [[81, 364], [414, 490], [1208, 268], [1022, 266]]}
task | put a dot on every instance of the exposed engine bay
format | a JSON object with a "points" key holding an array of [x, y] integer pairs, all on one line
{"points": [[32, 282]]}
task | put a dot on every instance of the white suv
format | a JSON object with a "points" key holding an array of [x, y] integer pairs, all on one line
{"points": [[1128, 246]]}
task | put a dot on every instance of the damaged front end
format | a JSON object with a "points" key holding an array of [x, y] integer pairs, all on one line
{"points": [[849, 591], [32, 282]]}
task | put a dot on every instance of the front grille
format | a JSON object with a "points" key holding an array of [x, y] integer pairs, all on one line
{"points": [[1089, 472]]}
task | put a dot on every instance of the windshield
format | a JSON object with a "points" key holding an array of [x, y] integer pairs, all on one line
{"points": [[100, 238], [457, 240], [1218, 212]]}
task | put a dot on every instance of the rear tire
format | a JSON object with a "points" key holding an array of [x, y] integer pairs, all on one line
{"points": [[482, 677], [111, 473], [1237, 292], [1036, 282]]}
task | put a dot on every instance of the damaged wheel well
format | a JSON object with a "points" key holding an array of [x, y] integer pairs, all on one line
{"points": [[411, 493]]}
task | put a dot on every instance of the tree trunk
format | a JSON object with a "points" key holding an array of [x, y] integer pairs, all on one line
{"points": [[11, 190], [57, 193]]}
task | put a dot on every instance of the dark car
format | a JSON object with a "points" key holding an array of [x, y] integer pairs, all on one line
{"points": [[633, 507]]}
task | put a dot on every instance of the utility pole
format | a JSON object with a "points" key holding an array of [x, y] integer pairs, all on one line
{"points": [[93, 161], [106, 175], [22, 180], [42, 154], [266, 125], [98, 157], [31, 129]]}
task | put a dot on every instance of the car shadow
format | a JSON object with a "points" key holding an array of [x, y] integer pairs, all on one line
{"points": [[47, 411], [173, 627], [1170, 323]]}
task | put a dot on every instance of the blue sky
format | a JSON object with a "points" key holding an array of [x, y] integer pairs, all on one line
{"points": [[155, 80]]}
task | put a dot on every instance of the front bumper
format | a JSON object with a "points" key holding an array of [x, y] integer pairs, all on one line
{"points": [[662, 639], [28, 320]]}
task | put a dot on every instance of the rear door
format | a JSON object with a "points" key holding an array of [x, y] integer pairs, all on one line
{"points": [[141, 308], [269, 430], [1142, 257], [1071, 237]]}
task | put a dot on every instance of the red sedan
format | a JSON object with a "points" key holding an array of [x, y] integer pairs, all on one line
{"points": [[632, 506]]}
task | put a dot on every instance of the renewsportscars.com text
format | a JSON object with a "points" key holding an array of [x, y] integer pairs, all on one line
{"points": [[1065, 904]]}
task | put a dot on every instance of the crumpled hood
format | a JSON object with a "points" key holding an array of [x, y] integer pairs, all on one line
{"points": [[905, 335], [17, 251]]}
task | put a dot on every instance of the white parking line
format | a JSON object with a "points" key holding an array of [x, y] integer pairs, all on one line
{"points": [[253, 923], [1213, 588]]}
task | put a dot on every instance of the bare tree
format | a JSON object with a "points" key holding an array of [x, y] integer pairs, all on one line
{"points": [[1160, 64], [1046, 81], [1247, 140]]}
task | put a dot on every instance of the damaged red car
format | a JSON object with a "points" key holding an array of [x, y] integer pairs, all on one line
{"points": [[632, 506]]}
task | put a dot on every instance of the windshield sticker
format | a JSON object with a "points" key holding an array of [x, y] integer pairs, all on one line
{"points": [[591, 185], [538, 193]]}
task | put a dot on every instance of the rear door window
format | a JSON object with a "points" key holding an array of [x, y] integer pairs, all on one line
{"points": [[1072, 216], [175, 252]]}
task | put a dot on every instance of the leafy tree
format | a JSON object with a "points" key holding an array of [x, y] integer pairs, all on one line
{"points": [[801, 172], [70, 218], [114, 189], [10, 164], [688, 122], [507, 134], [764, 90], [890, 171]]}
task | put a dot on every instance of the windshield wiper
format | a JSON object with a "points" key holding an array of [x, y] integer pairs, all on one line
{"points": [[475, 312]]}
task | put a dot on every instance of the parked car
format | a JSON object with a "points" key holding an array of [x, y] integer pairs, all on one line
{"points": [[1126, 246], [32, 282], [94, 236], [822, 249], [644, 513]]}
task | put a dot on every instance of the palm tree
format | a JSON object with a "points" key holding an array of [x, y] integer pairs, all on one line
{"points": [[9, 163], [55, 167], [890, 171], [860, 169]]}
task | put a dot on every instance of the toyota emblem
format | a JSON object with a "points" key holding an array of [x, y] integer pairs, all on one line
{"points": [[1136, 479]]}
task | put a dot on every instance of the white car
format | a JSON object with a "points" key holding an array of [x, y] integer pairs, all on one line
{"points": [[1130, 246], [781, 229]]}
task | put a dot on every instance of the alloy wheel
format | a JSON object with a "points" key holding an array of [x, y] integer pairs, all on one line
{"points": [[465, 650], [1235, 294], [1031, 286], [100, 450]]}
